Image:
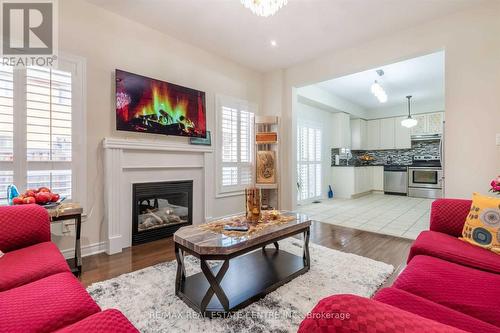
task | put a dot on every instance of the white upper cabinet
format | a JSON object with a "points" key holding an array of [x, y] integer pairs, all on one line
{"points": [[435, 123], [387, 133], [373, 134], [402, 135], [358, 134], [431, 123], [421, 127], [341, 130]]}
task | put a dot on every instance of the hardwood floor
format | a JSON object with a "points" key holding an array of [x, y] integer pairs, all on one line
{"points": [[389, 249]]}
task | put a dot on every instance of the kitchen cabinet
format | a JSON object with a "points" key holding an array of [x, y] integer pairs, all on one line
{"points": [[343, 182], [430, 123], [358, 134], [348, 182], [421, 127], [362, 180], [373, 134], [435, 123], [387, 133], [341, 130], [377, 178], [402, 135]]}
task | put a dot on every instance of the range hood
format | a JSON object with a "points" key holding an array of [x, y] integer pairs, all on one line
{"points": [[426, 137]]}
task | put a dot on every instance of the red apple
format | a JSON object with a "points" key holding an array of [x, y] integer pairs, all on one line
{"points": [[29, 200], [30, 193], [55, 197], [18, 200], [43, 197], [44, 189]]}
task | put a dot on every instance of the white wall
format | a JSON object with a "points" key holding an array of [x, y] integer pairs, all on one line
{"points": [[272, 93], [472, 79], [109, 41], [322, 96]]}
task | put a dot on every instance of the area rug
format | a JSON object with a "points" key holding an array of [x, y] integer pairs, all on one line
{"points": [[148, 299]]}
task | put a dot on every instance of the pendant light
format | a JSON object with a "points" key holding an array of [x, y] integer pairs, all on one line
{"points": [[409, 122]]}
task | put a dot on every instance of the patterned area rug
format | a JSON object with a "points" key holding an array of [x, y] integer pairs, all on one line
{"points": [[148, 299]]}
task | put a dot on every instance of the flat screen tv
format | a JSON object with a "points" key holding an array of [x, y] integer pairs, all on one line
{"points": [[152, 106]]}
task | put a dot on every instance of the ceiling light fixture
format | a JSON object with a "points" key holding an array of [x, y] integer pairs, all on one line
{"points": [[273, 43], [409, 122], [264, 8], [377, 89]]}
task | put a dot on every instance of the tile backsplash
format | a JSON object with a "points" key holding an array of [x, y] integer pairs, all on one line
{"points": [[398, 156]]}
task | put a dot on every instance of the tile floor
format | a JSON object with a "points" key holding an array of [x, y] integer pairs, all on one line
{"points": [[384, 214]]}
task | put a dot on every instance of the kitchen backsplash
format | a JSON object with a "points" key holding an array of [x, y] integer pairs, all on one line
{"points": [[398, 156]]}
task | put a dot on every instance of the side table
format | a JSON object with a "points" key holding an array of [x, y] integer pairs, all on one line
{"points": [[71, 211]]}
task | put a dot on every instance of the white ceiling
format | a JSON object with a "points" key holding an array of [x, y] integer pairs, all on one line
{"points": [[303, 29], [421, 77]]}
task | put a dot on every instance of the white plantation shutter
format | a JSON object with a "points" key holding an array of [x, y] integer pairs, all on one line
{"points": [[236, 145], [48, 97], [246, 147], [6, 130], [6, 113], [309, 148], [48, 129], [39, 144]]}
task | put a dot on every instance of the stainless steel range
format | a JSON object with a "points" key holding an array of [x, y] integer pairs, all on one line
{"points": [[425, 177]]}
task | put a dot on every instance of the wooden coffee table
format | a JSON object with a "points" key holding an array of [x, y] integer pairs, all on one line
{"points": [[245, 275]]}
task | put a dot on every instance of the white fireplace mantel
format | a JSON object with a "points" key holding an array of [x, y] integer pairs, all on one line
{"points": [[129, 161], [119, 143]]}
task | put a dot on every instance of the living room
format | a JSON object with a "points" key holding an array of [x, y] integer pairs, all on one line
{"points": [[244, 73]]}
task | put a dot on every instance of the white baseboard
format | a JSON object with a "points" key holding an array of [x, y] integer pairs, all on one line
{"points": [[87, 250]]}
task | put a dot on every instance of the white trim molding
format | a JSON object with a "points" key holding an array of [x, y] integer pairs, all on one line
{"points": [[87, 250], [130, 161], [118, 143]]}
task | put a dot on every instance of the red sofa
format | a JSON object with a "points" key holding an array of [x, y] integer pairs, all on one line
{"points": [[448, 286], [38, 292]]}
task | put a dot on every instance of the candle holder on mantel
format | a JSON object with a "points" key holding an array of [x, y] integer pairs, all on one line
{"points": [[253, 204]]}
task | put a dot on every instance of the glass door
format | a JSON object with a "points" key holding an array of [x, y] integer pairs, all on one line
{"points": [[309, 164]]}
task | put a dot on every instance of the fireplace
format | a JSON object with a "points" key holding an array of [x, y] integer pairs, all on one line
{"points": [[160, 208]]}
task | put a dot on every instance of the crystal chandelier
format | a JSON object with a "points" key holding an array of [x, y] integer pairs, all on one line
{"points": [[264, 7]]}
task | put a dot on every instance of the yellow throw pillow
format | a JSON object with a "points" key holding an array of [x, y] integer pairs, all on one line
{"points": [[482, 226]]}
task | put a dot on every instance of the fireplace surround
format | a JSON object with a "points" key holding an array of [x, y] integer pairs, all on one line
{"points": [[160, 208], [130, 161]]}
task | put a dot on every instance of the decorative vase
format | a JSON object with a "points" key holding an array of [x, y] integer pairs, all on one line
{"points": [[253, 204]]}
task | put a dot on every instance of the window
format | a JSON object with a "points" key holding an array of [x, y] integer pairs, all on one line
{"points": [[6, 130], [308, 162], [39, 144], [235, 144]]}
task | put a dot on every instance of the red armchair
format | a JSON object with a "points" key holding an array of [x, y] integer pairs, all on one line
{"points": [[23, 226], [38, 293], [448, 286], [366, 316], [29, 253], [441, 241]]}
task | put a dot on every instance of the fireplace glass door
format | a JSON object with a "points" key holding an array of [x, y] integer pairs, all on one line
{"points": [[160, 209]]}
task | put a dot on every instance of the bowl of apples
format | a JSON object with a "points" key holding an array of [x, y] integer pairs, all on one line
{"points": [[42, 196]]}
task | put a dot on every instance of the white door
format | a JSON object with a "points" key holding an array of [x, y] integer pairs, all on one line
{"points": [[309, 165]]}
